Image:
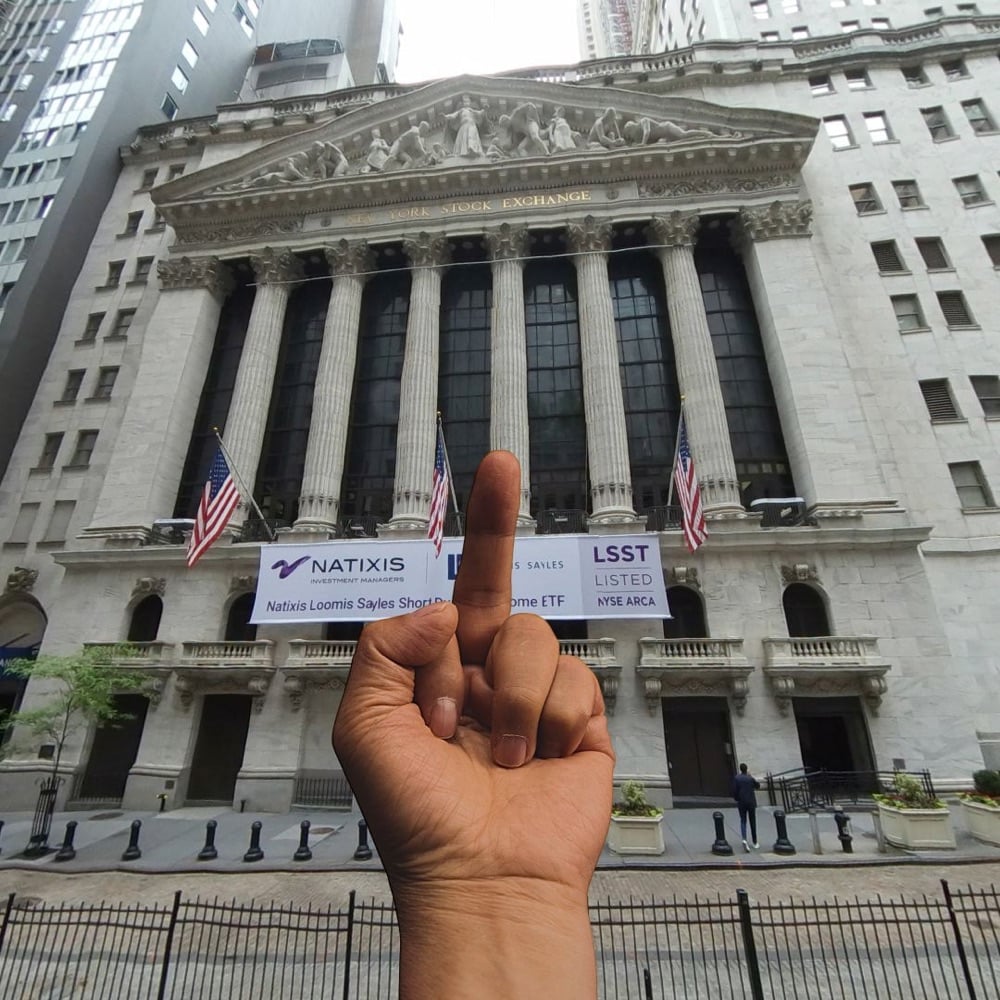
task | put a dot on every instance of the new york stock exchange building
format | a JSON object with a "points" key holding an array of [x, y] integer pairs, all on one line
{"points": [[552, 267]]}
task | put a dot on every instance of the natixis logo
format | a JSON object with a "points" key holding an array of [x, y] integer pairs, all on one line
{"points": [[286, 569]]}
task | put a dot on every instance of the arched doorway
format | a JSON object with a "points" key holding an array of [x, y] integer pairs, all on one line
{"points": [[805, 611], [688, 621], [145, 622], [22, 628], [238, 627]]}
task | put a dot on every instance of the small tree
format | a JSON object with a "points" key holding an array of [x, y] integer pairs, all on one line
{"points": [[85, 685]]}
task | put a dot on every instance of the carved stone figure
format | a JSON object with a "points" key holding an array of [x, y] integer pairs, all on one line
{"points": [[410, 149], [21, 580], [321, 161], [605, 132], [526, 132], [501, 143], [560, 134], [646, 131], [466, 123], [378, 153]]}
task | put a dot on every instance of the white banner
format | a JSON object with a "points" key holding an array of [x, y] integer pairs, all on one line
{"points": [[555, 576]]}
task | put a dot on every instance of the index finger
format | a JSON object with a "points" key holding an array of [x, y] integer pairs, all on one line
{"points": [[482, 590]]}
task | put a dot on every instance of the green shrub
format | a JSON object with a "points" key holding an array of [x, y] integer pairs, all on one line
{"points": [[987, 782], [635, 803]]}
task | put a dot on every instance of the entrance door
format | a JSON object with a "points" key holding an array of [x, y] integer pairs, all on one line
{"points": [[113, 751], [218, 754], [699, 745], [833, 735]]}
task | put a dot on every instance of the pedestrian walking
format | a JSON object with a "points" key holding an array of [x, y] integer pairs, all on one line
{"points": [[744, 787]]}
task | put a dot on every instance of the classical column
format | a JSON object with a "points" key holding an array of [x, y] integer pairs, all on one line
{"points": [[415, 438], [155, 431], [320, 498], [508, 247], [276, 272], [697, 372], [607, 438]]}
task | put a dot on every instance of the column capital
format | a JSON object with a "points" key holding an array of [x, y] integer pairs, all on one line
{"points": [[427, 250], [272, 266], [678, 229], [507, 242], [589, 235], [350, 259], [779, 220], [196, 272]]}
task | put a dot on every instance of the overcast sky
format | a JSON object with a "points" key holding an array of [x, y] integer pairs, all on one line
{"points": [[448, 37]]}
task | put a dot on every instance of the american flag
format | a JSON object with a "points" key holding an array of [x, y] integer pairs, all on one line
{"points": [[218, 501], [686, 484], [439, 495]]}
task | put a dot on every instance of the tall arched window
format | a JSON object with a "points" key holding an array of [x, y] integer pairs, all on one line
{"points": [[688, 612], [238, 627], [145, 621], [805, 611]]}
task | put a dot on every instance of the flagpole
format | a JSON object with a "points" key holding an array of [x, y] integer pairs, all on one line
{"points": [[447, 464], [677, 450], [244, 492]]}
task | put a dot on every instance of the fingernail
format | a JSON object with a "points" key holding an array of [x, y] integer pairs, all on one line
{"points": [[444, 718], [510, 750]]}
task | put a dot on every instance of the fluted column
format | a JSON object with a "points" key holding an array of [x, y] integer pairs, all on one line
{"points": [[697, 371], [509, 354], [607, 438], [324, 468], [415, 438], [148, 458], [276, 272]]}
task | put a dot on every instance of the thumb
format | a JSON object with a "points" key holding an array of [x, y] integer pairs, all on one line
{"points": [[381, 678]]}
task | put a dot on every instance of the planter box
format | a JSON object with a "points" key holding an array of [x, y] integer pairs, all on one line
{"points": [[636, 835], [917, 829], [983, 822]]}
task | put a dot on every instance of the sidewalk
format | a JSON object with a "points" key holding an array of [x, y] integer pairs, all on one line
{"points": [[170, 842]]}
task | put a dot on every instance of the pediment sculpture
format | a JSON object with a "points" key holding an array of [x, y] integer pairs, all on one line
{"points": [[472, 133]]}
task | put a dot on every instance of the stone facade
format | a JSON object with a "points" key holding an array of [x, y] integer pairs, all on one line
{"points": [[906, 670]]}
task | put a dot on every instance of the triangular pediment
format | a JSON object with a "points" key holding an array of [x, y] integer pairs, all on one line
{"points": [[482, 135]]}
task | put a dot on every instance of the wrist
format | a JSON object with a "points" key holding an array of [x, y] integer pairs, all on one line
{"points": [[497, 938]]}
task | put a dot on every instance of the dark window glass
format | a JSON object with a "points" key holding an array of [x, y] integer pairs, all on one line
{"points": [[216, 394], [649, 379], [145, 621], [805, 612], [464, 372], [555, 387], [238, 627], [688, 612], [754, 427], [371, 444], [283, 456]]}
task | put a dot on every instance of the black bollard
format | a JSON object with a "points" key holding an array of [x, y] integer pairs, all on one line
{"points": [[67, 852], [782, 845], [208, 852], [721, 845], [846, 840], [303, 853], [364, 852], [1, 828], [163, 801], [132, 852], [254, 853]]}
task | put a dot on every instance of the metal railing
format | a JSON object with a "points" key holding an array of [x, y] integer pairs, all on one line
{"points": [[663, 518], [801, 789], [562, 521], [709, 949], [326, 791], [253, 529]]}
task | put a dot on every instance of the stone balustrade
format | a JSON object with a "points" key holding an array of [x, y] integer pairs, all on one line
{"points": [[320, 653], [838, 650], [602, 658], [259, 653], [713, 667], [139, 654]]}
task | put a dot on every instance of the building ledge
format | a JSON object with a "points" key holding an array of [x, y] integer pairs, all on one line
{"points": [[694, 667]]}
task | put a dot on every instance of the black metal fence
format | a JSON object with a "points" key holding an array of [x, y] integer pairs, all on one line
{"points": [[797, 790], [917, 949]]}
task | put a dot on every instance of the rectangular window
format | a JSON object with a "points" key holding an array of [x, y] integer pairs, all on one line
{"points": [[158, 221], [908, 194], [878, 126], [908, 314], [105, 383], [865, 199], [90, 331], [74, 379], [179, 79], [992, 244], [791, 6], [934, 254], [937, 123], [820, 85], [760, 9], [5, 289], [937, 396], [175, 171], [838, 131], [933, 11], [245, 23], [123, 320], [881, 23], [850, 26], [968, 8], [45, 206], [800, 33], [970, 190], [148, 179], [132, 222], [50, 449], [21, 532], [200, 22], [887, 257], [987, 389], [857, 79], [85, 442], [954, 69], [169, 107], [115, 268], [769, 36], [956, 312], [189, 54], [970, 485], [62, 513], [979, 117], [25, 250], [143, 266]]}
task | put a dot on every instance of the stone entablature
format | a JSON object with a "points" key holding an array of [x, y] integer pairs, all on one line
{"points": [[694, 667]]}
